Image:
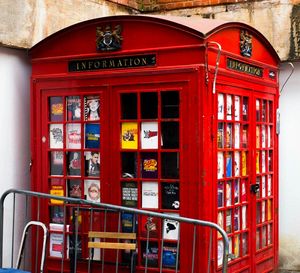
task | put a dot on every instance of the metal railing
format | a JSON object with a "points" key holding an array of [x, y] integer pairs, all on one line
{"points": [[92, 212]]}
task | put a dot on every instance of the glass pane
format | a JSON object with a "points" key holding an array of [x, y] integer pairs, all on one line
{"points": [[258, 212], [245, 136], [74, 188], [149, 135], [170, 104], [149, 105], [229, 106], [228, 221], [92, 108], [228, 135], [170, 135], [220, 165], [236, 248], [236, 135], [257, 107], [129, 165], [220, 136], [220, 195], [56, 136], [56, 163], [92, 135], [92, 190], [56, 109], [129, 106], [92, 163], [149, 165], [264, 111], [228, 193], [73, 108], [150, 255], [237, 162], [237, 225], [150, 195], [244, 217], [170, 165], [129, 135], [244, 244], [237, 107], [245, 109], [169, 256], [271, 112], [74, 163], [129, 194], [170, 196], [244, 164], [221, 106], [74, 136], [228, 158], [57, 188], [236, 191]]}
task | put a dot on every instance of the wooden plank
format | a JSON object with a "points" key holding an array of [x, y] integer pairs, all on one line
{"points": [[112, 235], [109, 245]]}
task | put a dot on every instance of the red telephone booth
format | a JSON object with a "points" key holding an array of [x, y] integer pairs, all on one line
{"points": [[164, 102]]}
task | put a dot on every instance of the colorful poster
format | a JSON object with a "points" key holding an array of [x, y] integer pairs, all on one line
{"points": [[129, 194], [129, 135], [169, 256], [149, 165], [92, 108], [57, 163], [237, 108], [220, 106], [74, 188], [228, 157], [73, 108], [149, 135], [56, 108], [229, 107], [220, 165], [74, 136], [92, 190], [150, 195], [170, 228], [74, 163], [149, 226], [92, 135], [236, 135], [170, 196], [56, 136]]}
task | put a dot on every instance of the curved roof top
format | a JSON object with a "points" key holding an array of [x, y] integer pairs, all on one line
{"points": [[203, 28]]}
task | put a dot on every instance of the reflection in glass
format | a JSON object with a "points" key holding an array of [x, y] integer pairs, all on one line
{"points": [[170, 104], [56, 163], [149, 108], [129, 169], [129, 106], [170, 135], [170, 165]]}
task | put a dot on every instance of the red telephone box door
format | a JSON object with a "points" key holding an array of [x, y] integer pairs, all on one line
{"points": [[131, 133], [263, 187], [246, 177]]}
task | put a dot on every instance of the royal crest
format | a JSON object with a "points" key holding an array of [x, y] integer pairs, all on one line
{"points": [[108, 39], [245, 43]]}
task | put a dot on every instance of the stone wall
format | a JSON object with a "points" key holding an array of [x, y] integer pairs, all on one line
{"points": [[26, 22]]}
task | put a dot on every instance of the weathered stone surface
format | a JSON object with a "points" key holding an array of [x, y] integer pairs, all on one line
{"points": [[26, 22], [271, 18]]}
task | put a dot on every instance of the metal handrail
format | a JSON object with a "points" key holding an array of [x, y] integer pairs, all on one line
{"points": [[76, 201]]}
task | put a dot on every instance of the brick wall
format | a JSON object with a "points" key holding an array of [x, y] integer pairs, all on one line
{"points": [[164, 5]]}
